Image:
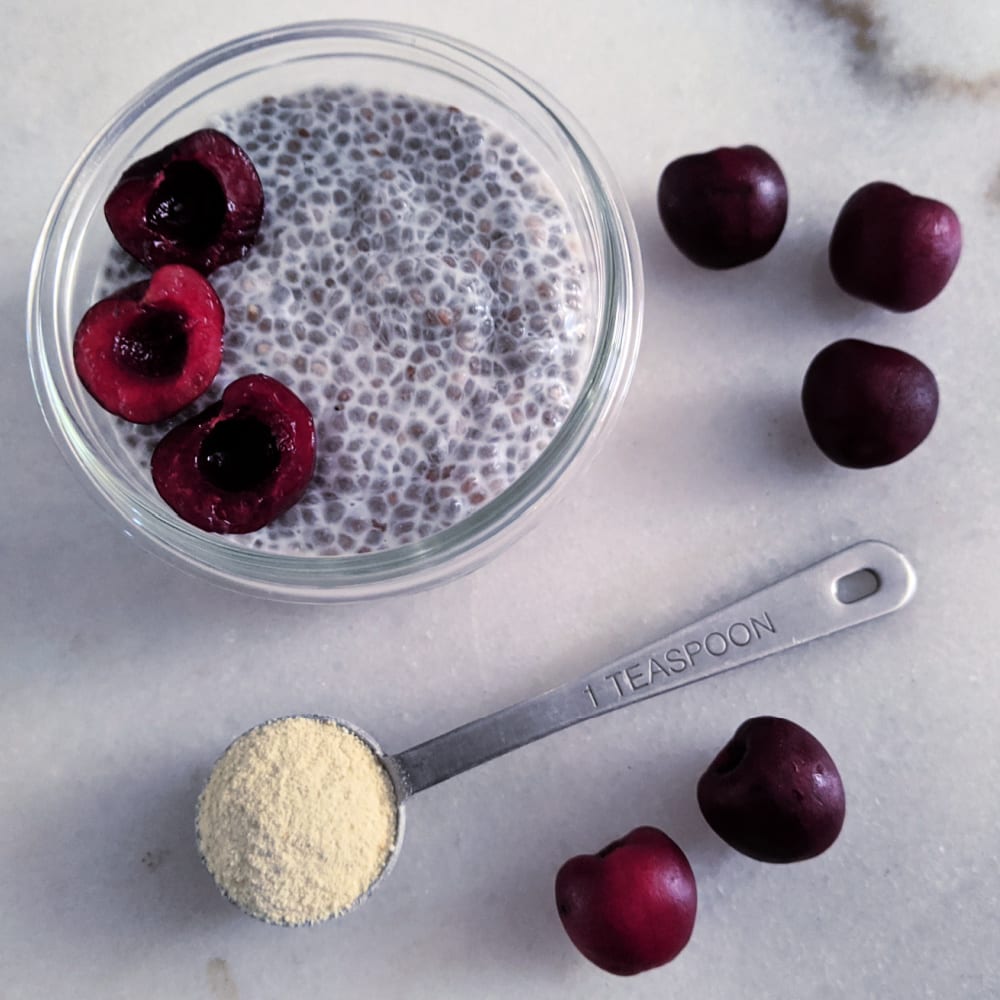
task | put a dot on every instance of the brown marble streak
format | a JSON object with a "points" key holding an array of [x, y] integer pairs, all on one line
{"points": [[860, 16], [993, 191], [868, 26]]}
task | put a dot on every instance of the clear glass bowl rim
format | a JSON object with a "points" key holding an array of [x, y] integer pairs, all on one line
{"points": [[448, 553]]}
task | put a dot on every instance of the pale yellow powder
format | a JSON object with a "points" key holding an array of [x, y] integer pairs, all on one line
{"points": [[297, 820]]}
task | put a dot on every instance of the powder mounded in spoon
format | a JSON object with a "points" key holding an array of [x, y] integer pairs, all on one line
{"points": [[297, 820]]}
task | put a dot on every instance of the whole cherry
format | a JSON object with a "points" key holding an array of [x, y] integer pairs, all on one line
{"points": [[773, 792], [725, 207], [868, 405], [895, 249], [630, 907]]}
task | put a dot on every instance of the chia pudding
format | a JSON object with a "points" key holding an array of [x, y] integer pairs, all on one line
{"points": [[419, 283]]}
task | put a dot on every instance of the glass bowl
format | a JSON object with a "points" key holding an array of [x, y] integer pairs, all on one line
{"points": [[75, 243]]}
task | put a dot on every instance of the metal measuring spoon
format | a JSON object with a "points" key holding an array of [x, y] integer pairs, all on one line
{"points": [[856, 585]]}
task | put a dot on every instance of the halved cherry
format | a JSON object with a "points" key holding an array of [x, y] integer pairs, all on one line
{"points": [[152, 348], [240, 463], [198, 201]]}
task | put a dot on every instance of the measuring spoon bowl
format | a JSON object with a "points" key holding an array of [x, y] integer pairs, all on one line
{"points": [[377, 756]]}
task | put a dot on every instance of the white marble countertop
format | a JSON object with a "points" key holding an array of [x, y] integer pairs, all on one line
{"points": [[122, 678]]}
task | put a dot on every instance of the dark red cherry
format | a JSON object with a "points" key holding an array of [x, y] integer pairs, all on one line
{"points": [[197, 201], [894, 248], [868, 405], [631, 907], [773, 792], [723, 208], [149, 350], [240, 463]]}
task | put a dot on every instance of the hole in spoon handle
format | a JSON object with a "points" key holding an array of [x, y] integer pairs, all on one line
{"points": [[807, 605]]}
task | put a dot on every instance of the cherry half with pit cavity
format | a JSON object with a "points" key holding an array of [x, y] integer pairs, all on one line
{"points": [[239, 464], [198, 201], [148, 350]]}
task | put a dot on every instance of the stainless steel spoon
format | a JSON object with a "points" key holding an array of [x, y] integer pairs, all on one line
{"points": [[860, 583]]}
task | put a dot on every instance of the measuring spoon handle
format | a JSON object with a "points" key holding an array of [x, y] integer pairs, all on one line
{"points": [[795, 610]]}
